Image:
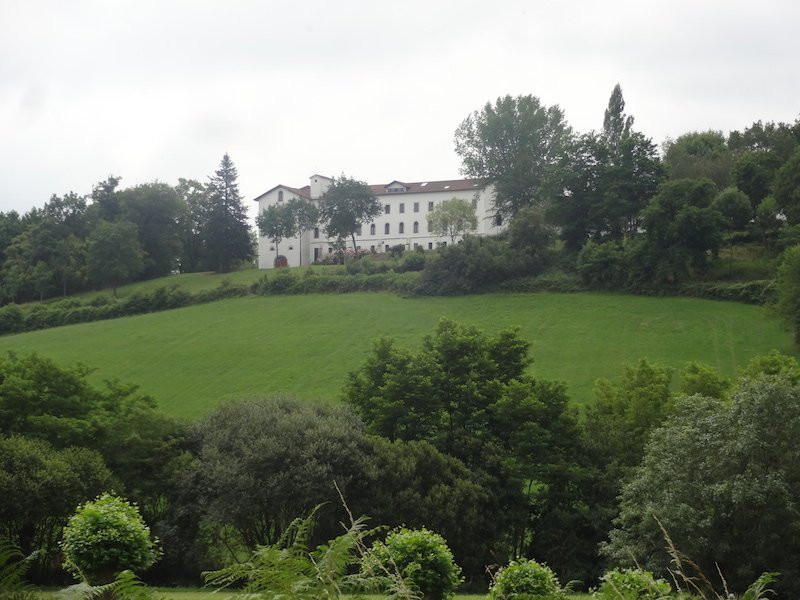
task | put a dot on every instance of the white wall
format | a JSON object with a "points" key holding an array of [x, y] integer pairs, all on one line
{"points": [[381, 241]]}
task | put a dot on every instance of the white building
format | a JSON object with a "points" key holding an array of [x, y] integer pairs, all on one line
{"points": [[402, 220]]}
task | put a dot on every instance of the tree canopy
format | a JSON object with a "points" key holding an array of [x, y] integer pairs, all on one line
{"points": [[452, 218], [515, 144], [346, 206]]}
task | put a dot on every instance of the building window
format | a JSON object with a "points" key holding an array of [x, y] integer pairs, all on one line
{"points": [[498, 219], [416, 226], [416, 206], [317, 253], [416, 245], [386, 229], [430, 206], [358, 231], [280, 195], [402, 207], [402, 228], [372, 249], [429, 226], [430, 245], [372, 229], [316, 232], [330, 250], [387, 209], [475, 203]]}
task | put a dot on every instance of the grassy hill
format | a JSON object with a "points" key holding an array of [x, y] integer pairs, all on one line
{"points": [[193, 358]]}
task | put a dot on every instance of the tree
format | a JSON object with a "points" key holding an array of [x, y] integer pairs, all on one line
{"points": [[788, 285], [113, 254], [346, 206], [698, 155], [226, 233], [156, 210], [194, 198], [261, 462], [467, 394], [306, 216], [277, 222], [104, 537], [753, 173], [722, 477], [787, 188], [682, 228], [40, 487], [515, 144], [452, 218], [616, 124]]}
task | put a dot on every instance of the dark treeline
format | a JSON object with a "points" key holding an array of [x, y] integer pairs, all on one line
{"points": [[117, 235], [454, 436]]}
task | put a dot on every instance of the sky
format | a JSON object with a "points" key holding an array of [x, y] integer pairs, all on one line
{"points": [[161, 89]]}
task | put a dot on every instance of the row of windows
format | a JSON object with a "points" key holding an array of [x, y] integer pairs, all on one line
{"points": [[386, 229], [387, 208]]}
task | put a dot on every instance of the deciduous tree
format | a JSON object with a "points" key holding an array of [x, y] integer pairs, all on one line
{"points": [[113, 254], [346, 206], [514, 144], [277, 222], [452, 218]]}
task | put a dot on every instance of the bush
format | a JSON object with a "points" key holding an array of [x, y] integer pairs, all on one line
{"points": [[107, 536], [413, 261], [631, 584], [525, 580], [423, 559], [12, 319], [602, 266]]}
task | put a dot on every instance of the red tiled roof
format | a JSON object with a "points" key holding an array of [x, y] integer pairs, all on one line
{"points": [[448, 185]]}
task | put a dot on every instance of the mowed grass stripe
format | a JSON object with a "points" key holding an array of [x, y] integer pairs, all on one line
{"points": [[193, 358]]}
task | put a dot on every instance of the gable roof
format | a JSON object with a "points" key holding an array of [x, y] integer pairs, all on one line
{"points": [[303, 192], [447, 185]]}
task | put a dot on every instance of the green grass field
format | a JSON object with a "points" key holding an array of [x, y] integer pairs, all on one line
{"points": [[192, 359]]}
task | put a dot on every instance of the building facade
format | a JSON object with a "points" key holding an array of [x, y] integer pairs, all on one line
{"points": [[403, 219]]}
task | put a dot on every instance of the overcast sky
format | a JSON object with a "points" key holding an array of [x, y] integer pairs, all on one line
{"points": [[156, 90]]}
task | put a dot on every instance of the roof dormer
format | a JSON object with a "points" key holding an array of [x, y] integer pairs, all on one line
{"points": [[396, 187]]}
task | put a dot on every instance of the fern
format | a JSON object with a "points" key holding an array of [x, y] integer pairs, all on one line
{"points": [[126, 586], [288, 570], [13, 566]]}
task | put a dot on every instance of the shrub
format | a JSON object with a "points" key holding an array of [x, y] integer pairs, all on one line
{"points": [[602, 266], [107, 536], [12, 319], [413, 261], [525, 580], [631, 584], [422, 558]]}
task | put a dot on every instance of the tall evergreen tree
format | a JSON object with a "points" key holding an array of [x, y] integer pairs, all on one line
{"points": [[226, 233]]}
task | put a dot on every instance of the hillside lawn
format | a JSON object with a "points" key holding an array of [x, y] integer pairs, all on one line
{"points": [[194, 358]]}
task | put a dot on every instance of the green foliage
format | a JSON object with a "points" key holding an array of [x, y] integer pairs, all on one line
{"points": [[57, 479], [525, 580], [290, 569], [421, 557], [787, 188], [476, 263], [721, 477], [113, 253], [224, 228], [125, 586], [773, 363], [603, 266], [631, 584], [515, 145], [415, 485], [697, 378], [698, 155], [682, 229], [735, 207], [452, 218], [106, 536], [347, 205], [260, 461], [277, 222], [788, 288], [13, 567], [619, 421]]}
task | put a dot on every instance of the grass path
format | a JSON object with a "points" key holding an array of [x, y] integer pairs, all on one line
{"points": [[191, 359]]}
